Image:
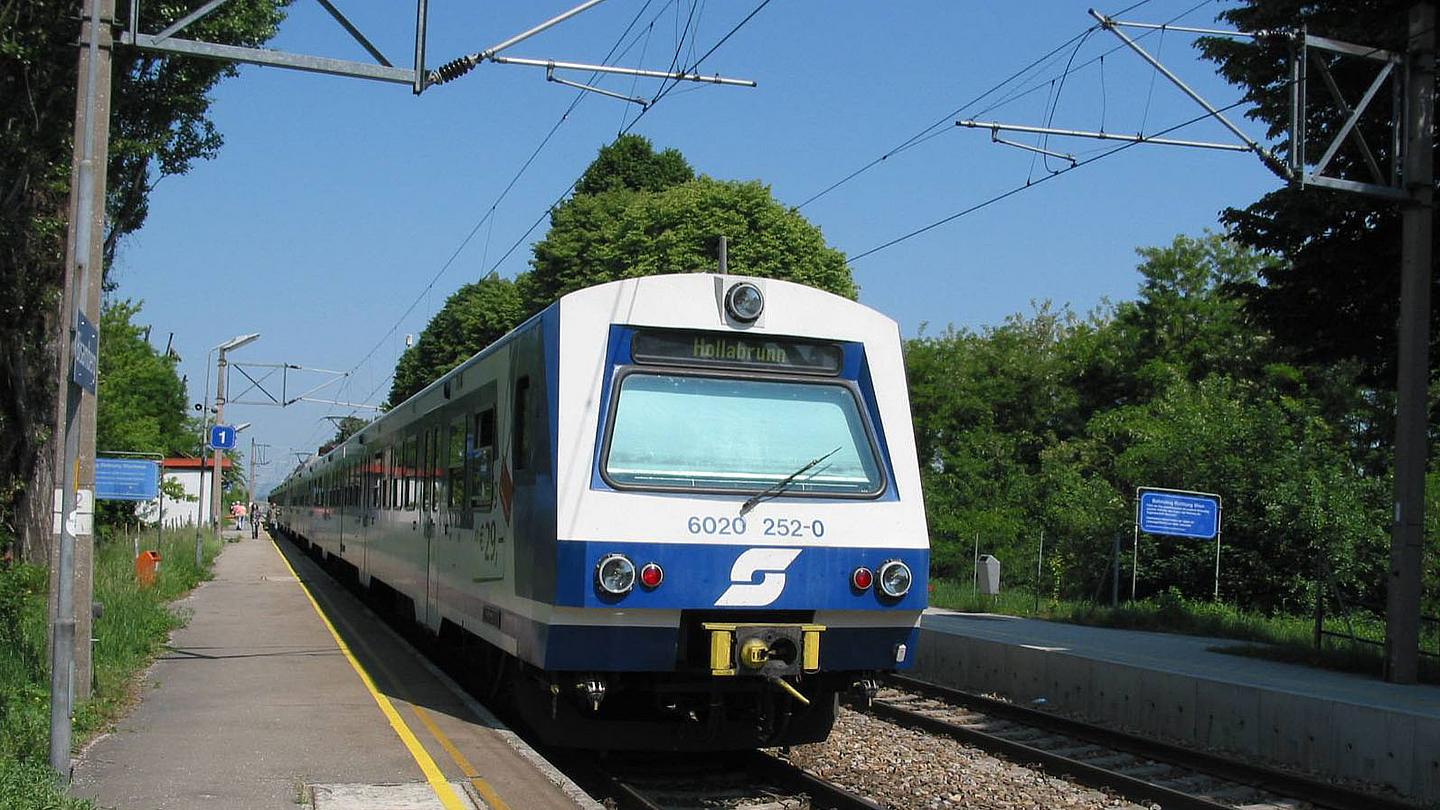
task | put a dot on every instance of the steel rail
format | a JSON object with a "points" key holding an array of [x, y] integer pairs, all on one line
{"points": [[1294, 786]]}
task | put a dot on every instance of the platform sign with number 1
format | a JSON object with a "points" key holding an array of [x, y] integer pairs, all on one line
{"points": [[222, 437]]}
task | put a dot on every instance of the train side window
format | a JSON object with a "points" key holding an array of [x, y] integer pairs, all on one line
{"points": [[455, 463], [520, 416], [482, 463]]}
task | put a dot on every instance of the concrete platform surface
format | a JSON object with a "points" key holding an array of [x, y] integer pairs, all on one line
{"points": [[1176, 688], [1189, 655], [254, 705]]}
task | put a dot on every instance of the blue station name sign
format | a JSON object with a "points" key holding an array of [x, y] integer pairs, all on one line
{"points": [[1180, 514], [127, 479]]}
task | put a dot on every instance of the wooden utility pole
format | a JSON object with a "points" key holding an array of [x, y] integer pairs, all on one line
{"points": [[72, 569], [1402, 609]]}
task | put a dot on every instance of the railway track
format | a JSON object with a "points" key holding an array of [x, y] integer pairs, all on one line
{"points": [[1140, 769], [744, 781]]}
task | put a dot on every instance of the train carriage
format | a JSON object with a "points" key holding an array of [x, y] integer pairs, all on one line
{"points": [[678, 511]]}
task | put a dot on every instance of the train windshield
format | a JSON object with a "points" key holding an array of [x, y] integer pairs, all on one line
{"points": [[711, 433]]}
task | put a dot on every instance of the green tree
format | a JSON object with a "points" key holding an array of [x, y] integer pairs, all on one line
{"points": [[141, 404], [1049, 423], [159, 126], [630, 163], [986, 405], [475, 316], [345, 427], [595, 238]]}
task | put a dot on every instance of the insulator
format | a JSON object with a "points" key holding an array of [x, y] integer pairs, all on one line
{"points": [[453, 70]]}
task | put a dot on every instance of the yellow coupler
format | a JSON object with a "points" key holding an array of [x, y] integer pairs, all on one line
{"points": [[753, 653]]}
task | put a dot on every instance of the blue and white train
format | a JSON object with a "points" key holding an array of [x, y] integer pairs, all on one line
{"points": [[672, 512]]}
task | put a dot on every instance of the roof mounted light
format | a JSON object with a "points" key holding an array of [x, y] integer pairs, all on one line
{"points": [[615, 574], [895, 579], [744, 302]]}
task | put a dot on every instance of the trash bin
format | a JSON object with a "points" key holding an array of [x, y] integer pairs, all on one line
{"points": [[147, 566], [987, 575]]}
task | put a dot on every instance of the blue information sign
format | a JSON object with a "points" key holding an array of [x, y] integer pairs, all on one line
{"points": [[222, 437], [85, 352], [127, 479], [1181, 514]]}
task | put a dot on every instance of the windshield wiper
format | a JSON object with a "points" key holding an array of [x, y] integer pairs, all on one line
{"points": [[778, 488]]}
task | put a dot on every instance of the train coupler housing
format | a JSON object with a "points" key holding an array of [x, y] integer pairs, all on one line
{"points": [[767, 650]]}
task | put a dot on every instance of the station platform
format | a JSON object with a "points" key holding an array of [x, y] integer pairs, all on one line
{"points": [[1178, 689], [259, 702]]}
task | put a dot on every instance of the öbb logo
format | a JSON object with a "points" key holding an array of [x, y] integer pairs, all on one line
{"points": [[770, 563]]}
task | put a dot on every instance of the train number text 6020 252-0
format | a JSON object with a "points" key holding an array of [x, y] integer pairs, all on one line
{"points": [[769, 527]]}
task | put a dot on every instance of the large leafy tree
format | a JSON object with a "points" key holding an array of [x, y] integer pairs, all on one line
{"points": [[141, 406], [345, 427], [472, 318], [596, 238], [635, 212], [1049, 423], [1335, 297], [630, 163], [159, 126]]}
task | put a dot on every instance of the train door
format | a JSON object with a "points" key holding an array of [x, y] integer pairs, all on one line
{"points": [[434, 492], [485, 561], [455, 522], [373, 482]]}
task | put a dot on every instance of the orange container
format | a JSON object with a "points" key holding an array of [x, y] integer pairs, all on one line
{"points": [[147, 565]]}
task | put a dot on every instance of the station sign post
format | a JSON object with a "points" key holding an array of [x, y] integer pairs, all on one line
{"points": [[1177, 513], [136, 478]]}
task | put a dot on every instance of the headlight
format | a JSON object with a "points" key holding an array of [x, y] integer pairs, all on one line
{"points": [[744, 302], [615, 574], [895, 579]]}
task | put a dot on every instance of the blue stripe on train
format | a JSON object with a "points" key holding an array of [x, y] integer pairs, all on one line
{"points": [[697, 575]]}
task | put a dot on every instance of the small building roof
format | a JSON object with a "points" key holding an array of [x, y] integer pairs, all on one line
{"points": [[196, 463]]}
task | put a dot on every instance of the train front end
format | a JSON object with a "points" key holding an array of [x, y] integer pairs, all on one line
{"points": [[740, 531]]}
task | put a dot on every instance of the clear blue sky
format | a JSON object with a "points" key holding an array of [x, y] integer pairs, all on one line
{"points": [[334, 202]]}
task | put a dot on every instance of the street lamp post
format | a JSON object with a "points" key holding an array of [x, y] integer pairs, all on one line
{"points": [[218, 484]]}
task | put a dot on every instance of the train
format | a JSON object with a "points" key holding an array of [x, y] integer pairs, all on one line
{"points": [[674, 512]]}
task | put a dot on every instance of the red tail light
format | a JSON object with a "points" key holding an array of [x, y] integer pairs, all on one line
{"points": [[862, 579], [651, 575]]}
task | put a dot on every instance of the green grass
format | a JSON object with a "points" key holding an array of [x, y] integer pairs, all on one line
{"points": [[1278, 637], [131, 632]]}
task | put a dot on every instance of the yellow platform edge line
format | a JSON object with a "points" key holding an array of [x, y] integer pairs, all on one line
{"points": [[486, 791], [443, 790]]}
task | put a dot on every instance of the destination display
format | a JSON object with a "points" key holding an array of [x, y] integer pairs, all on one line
{"points": [[737, 351]]}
